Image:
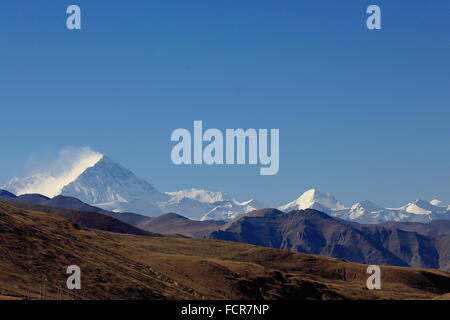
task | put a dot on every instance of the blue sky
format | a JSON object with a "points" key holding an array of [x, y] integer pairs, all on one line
{"points": [[362, 114]]}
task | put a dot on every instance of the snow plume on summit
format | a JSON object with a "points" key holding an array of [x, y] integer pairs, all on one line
{"points": [[70, 163]]}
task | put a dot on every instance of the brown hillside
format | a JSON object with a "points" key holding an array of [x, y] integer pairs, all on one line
{"points": [[36, 246]]}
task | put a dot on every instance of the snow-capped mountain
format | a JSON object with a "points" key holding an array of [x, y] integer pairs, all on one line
{"points": [[207, 205], [200, 195], [110, 186], [314, 199], [103, 183], [367, 212], [230, 209]]}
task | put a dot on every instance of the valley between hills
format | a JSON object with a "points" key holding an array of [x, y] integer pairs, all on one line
{"points": [[36, 245]]}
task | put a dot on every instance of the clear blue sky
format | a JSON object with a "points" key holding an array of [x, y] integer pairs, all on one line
{"points": [[362, 114]]}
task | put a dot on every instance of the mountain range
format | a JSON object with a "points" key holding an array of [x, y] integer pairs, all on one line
{"points": [[367, 212], [408, 244], [145, 237], [103, 183]]}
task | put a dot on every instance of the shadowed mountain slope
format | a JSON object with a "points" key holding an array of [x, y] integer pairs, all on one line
{"points": [[433, 229], [311, 231]]}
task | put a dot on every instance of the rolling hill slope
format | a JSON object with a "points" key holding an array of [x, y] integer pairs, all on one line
{"points": [[87, 219], [36, 245]]}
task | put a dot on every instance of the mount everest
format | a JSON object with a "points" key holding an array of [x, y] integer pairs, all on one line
{"points": [[107, 185], [99, 181]]}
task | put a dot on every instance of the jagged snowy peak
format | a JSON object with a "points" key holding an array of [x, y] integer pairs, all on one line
{"points": [[108, 182], [314, 199], [229, 210], [368, 212], [207, 205], [200, 195], [418, 211], [99, 181], [366, 206], [359, 210], [110, 186]]}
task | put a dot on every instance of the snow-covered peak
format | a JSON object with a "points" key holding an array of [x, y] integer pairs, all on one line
{"points": [[107, 182], [312, 198], [201, 204], [228, 210], [200, 195], [365, 212], [69, 165], [414, 208], [366, 206]]}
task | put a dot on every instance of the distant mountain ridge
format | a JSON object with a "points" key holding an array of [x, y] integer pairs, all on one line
{"points": [[367, 212], [101, 182]]}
